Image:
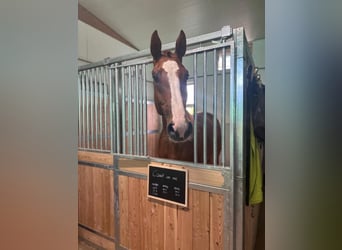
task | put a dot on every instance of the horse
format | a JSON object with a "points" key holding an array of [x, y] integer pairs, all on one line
{"points": [[169, 75]]}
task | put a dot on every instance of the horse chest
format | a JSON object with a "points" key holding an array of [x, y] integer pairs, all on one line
{"points": [[176, 151]]}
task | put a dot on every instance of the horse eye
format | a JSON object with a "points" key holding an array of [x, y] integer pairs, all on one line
{"points": [[155, 76]]}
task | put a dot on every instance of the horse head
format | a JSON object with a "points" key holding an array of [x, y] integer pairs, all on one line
{"points": [[170, 92]]}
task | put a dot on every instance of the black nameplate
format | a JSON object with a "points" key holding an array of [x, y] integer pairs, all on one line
{"points": [[168, 184]]}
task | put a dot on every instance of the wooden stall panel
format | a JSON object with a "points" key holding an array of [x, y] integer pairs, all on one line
{"points": [[123, 201], [96, 199], [216, 221], [150, 224], [185, 221], [95, 239], [200, 218], [100, 158]]}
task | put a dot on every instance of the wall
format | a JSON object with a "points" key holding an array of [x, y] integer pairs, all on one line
{"points": [[93, 45]]}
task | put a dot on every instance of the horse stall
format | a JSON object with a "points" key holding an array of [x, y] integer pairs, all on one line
{"points": [[119, 129]]}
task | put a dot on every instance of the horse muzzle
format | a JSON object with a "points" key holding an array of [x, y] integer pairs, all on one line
{"points": [[180, 133]]}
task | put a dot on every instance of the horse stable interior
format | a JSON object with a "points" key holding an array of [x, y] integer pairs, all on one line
{"points": [[119, 129]]}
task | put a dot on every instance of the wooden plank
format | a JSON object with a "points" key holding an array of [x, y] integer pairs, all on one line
{"points": [[200, 219], [123, 203], [196, 175], [206, 177], [170, 226], [95, 238], [216, 221], [85, 194], [134, 213], [110, 226], [145, 217], [96, 204], [94, 157], [157, 224], [184, 225]]}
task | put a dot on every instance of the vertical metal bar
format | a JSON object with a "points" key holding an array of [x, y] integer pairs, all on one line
{"points": [[137, 113], [88, 117], [92, 109], [105, 94], [223, 134], [111, 112], [215, 109], [101, 106], [117, 109], [195, 108], [129, 114], [83, 109], [123, 110], [140, 112], [239, 138], [232, 141], [96, 108], [205, 107], [144, 83], [79, 110]]}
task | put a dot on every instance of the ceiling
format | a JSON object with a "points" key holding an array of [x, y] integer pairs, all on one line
{"points": [[133, 21]]}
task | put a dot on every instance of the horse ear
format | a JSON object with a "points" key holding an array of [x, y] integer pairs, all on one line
{"points": [[181, 44], [155, 46]]}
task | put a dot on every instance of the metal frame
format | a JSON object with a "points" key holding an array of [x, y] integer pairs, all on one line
{"points": [[113, 71]]}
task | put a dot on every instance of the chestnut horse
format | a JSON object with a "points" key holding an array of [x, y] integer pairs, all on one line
{"points": [[170, 94]]}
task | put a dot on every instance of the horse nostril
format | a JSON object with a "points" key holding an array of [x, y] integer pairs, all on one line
{"points": [[171, 131], [180, 134]]}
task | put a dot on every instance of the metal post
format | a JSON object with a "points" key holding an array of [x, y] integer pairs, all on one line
{"points": [[83, 109], [123, 110], [129, 114], [195, 108], [144, 83], [204, 107], [215, 108], [92, 109], [117, 111], [223, 134], [87, 108], [105, 94], [96, 92], [111, 112], [79, 110], [101, 107]]}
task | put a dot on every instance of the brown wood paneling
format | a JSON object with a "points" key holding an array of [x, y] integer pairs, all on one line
{"points": [[208, 177], [95, 239], [101, 158], [134, 213], [200, 217], [184, 234], [157, 225], [123, 201], [145, 217], [96, 204], [216, 221], [151, 224], [170, 227]]}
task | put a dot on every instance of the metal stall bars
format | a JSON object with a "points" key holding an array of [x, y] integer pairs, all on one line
{"points": [[94, 109], [114, 98]]}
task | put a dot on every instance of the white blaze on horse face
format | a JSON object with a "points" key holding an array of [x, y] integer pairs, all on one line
{"points": [[177, 108]]}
